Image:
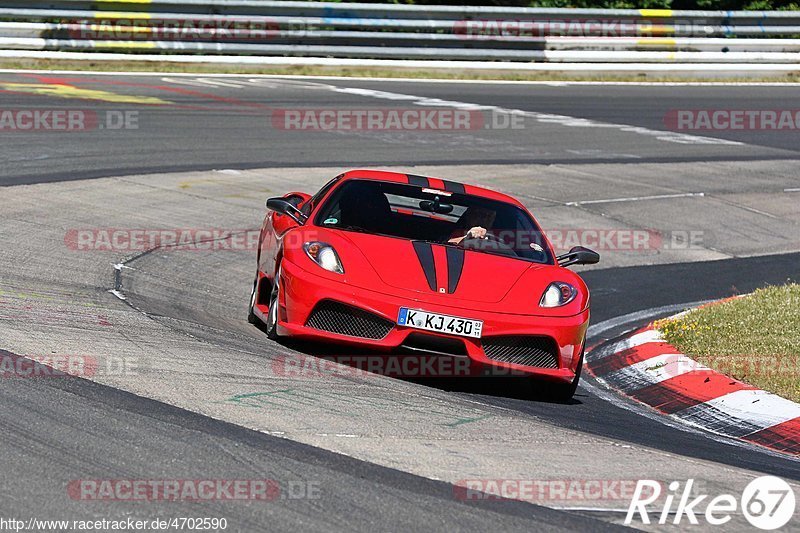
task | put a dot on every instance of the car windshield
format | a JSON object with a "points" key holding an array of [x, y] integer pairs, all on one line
{"points": [[415, 213]]}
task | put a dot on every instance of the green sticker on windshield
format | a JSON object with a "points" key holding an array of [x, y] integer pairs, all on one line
{"points": [[331, 220]]}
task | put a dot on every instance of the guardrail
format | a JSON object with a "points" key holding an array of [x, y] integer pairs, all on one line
{"points": [[390, 31]]}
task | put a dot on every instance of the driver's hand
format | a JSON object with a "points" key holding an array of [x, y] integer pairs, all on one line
{"points": [[476, 232]]}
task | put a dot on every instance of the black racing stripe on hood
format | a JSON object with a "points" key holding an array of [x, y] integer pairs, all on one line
{"points": [[425, 255], [419, 181], [452, 186], [455, 265]]}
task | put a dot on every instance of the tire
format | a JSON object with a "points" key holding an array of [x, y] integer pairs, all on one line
{"points": [[251, 315], [563, 392], [271, 325]]}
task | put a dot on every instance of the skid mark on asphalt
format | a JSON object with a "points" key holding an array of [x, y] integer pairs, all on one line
{"points": [[290, 398], [49, 309], [12, 158], [42, 296], [442, 140], [51, 316]]}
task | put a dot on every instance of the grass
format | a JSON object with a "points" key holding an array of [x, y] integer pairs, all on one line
{"points": [[755, 339], [369, 72]]}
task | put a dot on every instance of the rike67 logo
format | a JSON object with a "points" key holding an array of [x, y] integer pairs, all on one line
{"points": [[767, 503]]}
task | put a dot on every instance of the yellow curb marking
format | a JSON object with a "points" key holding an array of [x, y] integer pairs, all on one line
{"points": [[69, 91]]}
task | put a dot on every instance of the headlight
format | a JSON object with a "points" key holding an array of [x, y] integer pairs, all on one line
{"points": [[324, 255], [558, 294]]}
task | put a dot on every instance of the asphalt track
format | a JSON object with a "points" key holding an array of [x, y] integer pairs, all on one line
{"points": [[382, 451], [218, 123]]}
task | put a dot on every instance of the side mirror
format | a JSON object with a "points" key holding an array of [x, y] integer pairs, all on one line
{"points": [[285, 207], [297, 197], [578, 255]]}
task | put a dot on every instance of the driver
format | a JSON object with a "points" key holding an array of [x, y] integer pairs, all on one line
{"points": [[478, 219]]}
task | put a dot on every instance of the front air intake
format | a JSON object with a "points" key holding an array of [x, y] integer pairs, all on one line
{"points": [[336, 317], [527, 350]]}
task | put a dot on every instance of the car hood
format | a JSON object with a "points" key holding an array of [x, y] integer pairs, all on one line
{"points": [[435, 268]]}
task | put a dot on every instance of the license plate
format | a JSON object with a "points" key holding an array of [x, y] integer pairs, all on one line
{"points": [[453, 325]]}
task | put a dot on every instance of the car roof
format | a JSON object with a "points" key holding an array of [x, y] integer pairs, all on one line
{"points": [[430, 182]]}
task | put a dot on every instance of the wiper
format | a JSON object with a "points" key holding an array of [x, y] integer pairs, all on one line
{"points": [[440, 243], [513, 254], [350, 227]]}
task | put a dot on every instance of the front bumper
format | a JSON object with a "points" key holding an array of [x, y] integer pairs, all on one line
{"points": [[302, 291]]}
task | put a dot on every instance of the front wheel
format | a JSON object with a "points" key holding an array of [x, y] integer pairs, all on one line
{"points": [[563, 392], [251, 314], [274, 301]]}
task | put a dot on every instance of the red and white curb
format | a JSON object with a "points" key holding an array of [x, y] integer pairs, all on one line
{"points": [[646, 368]]}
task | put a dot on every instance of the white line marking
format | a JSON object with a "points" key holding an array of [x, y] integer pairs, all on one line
{"points": [[118, 294], [756, 211], [792, 190], [194, 82], [637, 316], [645, 337], [563, 120], [638, 198], [218, 83]]}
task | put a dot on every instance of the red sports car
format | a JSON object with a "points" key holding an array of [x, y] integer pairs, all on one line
{"points": [[397, 262]]}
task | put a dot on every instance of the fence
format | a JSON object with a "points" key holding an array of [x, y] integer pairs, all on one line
{"points": [[389, 31]]}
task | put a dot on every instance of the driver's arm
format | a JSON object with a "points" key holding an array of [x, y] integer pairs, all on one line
{"points": [[476, 232]]}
